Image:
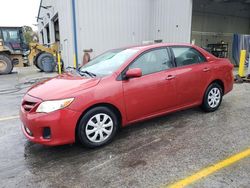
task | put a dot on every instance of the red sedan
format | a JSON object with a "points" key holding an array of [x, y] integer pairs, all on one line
{"points": [[121, 87]]}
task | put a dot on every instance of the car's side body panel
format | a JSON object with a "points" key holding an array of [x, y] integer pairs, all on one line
{"points": [[189, 83], [107, 92], [148, 94]]}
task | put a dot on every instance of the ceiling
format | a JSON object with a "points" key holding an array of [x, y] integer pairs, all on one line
{"points": [[239, 8]]}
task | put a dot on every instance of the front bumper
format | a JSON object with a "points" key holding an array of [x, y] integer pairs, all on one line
{"points": [[61, 123]]}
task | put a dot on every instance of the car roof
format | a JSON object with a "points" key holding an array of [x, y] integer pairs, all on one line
{"points": [[157, 45], [142, 48]]}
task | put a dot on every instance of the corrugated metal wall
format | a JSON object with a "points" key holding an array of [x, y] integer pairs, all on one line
{"points": [[113, 23], [107, 24], [171, 20], [62, 8]]}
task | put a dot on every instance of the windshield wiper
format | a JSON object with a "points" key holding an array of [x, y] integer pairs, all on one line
{"points": [[73, 69], [80, 72], [88, 73]]}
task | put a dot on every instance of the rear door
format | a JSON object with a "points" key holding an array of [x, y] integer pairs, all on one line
{"points": [[192, 75], [154, 91]]}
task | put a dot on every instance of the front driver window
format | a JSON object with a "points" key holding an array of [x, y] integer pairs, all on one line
{"points": [[153, 61]]}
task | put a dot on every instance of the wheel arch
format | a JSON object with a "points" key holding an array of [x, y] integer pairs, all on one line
{"points": [[204, 106], [219, 82], [108, 105]]}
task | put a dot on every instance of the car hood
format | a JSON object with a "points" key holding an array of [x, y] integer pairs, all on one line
{"points": [[62, 86]]}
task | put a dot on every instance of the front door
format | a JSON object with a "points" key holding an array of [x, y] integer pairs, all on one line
{"points": [[155, 90]]}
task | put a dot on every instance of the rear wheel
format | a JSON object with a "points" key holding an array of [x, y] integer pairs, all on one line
{"points": [[6, 65], [212, 98], [97, 127]]}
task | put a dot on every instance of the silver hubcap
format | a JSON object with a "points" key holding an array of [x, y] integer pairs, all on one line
{"points": [[214, 97], [99, 128]]}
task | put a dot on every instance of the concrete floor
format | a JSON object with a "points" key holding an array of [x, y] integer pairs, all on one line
{"points": [[150, 154]]}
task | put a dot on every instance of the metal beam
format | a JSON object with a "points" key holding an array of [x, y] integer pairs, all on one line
{"points": [[75, 33]]}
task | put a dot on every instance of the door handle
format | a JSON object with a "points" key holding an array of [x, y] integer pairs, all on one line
{"points": [[206, 69], [170, 77]]}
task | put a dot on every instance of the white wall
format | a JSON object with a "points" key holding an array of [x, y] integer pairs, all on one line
{"points": [[63, 9], [171, 20], [107, 24]]}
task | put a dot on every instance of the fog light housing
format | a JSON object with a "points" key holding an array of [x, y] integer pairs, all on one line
{"points": [[28, 131], [46, 133]]}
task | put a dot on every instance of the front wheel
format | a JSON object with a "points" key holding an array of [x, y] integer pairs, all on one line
{"points": [[44, 58], [212, 98], [97, 127]]}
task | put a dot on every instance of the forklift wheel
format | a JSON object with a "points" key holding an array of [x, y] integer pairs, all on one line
{"points": [[44, 57], [6, 65]]}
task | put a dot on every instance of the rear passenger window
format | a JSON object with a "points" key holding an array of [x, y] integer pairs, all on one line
{"points": [[187, 56]]}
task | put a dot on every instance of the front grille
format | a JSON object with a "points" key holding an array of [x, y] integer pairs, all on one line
{"points": [[28, 105]]}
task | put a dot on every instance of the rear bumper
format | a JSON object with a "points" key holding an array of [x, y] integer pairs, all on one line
{"points": [[62, 124]]}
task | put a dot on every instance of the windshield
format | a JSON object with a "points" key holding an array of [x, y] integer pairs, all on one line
{"points": [[11, 35], [109, 62]]}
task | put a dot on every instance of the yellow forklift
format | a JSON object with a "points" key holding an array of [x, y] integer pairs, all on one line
{"points": [[13, 49], [40, 55]]}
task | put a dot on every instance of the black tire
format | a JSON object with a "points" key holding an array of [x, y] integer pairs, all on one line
{"points": [[35, 59], [89, 116], [6, 65], [212, 102], [44, 57]]}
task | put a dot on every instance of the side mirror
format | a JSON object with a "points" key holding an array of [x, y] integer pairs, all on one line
{"points": [[208, 58], [134, 73]]}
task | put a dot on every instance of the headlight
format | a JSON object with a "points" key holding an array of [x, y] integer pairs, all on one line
{"points": [[50, 106]]}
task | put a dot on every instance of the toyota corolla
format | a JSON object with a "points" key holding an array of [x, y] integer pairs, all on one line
{"points": [[121, 87]]}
